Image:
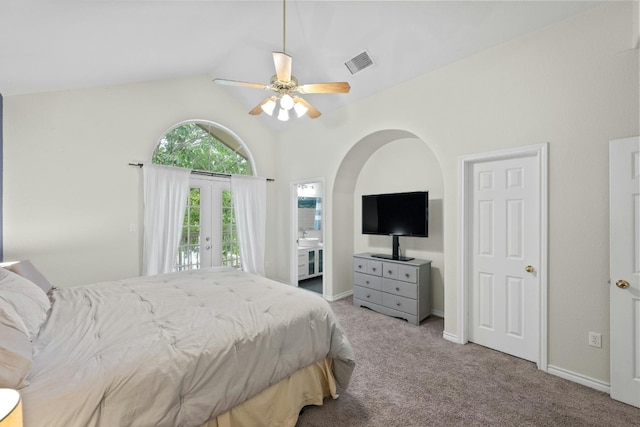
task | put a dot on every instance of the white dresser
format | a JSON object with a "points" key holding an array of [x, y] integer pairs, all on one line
{"points": [[395, 288]]}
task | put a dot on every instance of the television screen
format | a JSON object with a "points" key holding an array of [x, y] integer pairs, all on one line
{"points": [[397, 214]]}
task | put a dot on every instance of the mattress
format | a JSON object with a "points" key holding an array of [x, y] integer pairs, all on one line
{"points": [[175, 350]]}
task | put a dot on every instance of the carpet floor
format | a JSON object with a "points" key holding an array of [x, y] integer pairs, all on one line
{"points": [[410, 376]]}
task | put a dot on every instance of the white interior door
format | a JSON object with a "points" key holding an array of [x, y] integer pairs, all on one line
{"points": [[624, 199], [504, 294]]}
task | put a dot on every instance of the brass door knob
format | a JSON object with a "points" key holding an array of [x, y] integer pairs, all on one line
{"points": [[622, 284], [529, 269]]}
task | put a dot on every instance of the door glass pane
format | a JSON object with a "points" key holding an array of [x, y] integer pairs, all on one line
{"points": [[230, 250], [312, 262], [189, 249]]}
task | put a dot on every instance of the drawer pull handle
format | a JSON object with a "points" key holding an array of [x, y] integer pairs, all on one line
{"points": [[359, 267], [367, 282], [368, 295], [373, 269], [390, 271], [406, 275], [397, 289], [398, 303]]}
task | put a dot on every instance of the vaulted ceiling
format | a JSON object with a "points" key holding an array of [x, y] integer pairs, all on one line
{"points": [[56, 45]]}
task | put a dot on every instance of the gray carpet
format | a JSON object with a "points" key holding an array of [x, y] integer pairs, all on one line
{"points": [[410, 376]]}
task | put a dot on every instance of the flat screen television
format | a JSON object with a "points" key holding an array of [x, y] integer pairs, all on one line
{"points": [[396, 214]]}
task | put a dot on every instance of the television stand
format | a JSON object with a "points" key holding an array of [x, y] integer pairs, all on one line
{"points": [[398, 258], [396, 251]]}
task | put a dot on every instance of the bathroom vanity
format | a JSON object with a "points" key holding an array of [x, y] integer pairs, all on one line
{"points": [[309, 262]]}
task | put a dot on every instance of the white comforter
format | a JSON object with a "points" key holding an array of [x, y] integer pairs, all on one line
{"points": [[174, 350]]}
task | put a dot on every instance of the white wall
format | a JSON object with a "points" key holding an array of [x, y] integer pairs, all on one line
{"points": [[405, 165], [571, 85], [70, 198]]}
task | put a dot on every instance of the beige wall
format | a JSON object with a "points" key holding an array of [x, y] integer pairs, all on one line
{"points": [[70, 198], [573, 85], [71, 202]]}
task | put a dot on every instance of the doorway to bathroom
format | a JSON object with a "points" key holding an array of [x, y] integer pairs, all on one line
{"points": [[307, 232]]}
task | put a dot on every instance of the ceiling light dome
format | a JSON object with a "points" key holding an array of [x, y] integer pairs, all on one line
{"points": [[283, 115], [300, 109], [286, 101], [269, 106]]}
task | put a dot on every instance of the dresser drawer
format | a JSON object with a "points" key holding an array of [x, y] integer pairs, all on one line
{"points": [[360, 265], [404, 289], [374, 267], [366, 280], [390, 270], [367, 294], [406, 305], [407, 274]]}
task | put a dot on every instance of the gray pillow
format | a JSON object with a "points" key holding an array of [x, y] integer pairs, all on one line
{"points": [[15, 349], [27, 299], [27, 270]]}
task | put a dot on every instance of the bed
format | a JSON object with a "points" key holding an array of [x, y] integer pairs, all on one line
{"points": [[211, 347]]}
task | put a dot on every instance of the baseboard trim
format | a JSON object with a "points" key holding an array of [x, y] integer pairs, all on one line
{"points": [[451, 337], [343, 295], [580, 379], [437, 313]]}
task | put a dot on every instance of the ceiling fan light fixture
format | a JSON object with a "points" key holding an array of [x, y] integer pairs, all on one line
{"points": [[283, 115], [286, 102], [300, 109], [286, 86], [269, 106]]}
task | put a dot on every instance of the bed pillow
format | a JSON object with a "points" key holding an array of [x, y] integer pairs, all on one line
{"points": [[15, 349], [27, 270], [27, 299]]}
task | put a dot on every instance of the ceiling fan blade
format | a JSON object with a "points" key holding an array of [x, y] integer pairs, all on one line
{"points": [[243, 84], [311, 110], [282, 61], [335, 87]]}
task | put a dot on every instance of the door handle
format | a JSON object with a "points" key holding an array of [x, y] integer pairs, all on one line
{"points": [[622, 284], [207, 247], [529, 269]]}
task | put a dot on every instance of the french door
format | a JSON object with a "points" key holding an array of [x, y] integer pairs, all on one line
{"points": [[209, 236]]}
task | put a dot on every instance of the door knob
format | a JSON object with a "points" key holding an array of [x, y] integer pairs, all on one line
{"points": [[622, 284], [529, 269], [207, 247]]}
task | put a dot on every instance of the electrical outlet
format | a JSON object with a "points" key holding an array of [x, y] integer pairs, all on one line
{"points": [[595, 339]]}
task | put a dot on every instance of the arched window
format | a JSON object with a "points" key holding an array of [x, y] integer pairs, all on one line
{"points": [[203, 146], [213, 153]]}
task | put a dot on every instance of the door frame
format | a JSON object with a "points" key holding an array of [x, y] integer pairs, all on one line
{"points": [[465, 237], [293, 231]]}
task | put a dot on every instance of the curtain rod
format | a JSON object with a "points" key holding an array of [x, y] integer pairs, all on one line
{"points": [[222, 175]]}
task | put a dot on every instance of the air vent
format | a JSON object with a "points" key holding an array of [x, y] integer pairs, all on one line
{"points": [[359, 62]]}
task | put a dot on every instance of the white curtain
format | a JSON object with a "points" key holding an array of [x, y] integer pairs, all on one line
{"points": [[165, 197], [249, 195]]}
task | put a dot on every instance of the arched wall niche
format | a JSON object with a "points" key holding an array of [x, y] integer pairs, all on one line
{"points": [[344, 205]]}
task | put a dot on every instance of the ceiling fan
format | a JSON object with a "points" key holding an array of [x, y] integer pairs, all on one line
{"points": [[286, 86]]}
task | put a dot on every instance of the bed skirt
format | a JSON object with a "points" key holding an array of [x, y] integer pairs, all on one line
{"points": [[280, 404]]}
